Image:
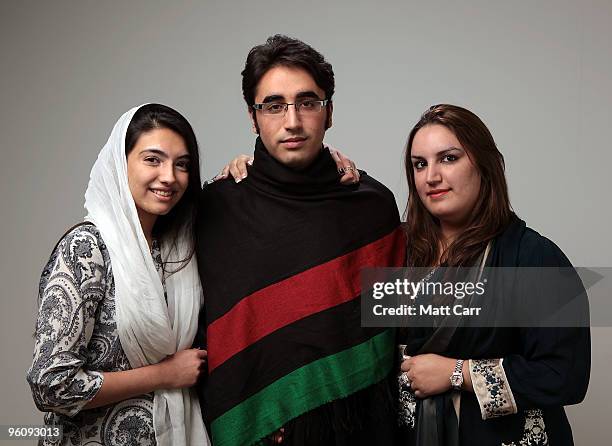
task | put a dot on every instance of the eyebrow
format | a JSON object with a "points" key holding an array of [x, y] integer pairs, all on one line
{"points": [[300, 95], [160, 152], [441, 152]]}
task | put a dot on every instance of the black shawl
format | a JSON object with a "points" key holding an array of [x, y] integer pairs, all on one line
{"points": [[279, 257]]}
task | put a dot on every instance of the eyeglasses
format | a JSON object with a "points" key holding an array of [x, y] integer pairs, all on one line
{"points": [[304, 107]]}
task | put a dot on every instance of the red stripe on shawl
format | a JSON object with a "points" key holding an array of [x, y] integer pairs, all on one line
{"points": [[316, 289]]}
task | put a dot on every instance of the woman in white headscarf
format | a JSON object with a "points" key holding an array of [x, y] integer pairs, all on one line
{"points": [[120, 296]]}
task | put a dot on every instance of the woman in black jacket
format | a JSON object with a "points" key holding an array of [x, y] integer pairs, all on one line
{"points": [[490, 383]]}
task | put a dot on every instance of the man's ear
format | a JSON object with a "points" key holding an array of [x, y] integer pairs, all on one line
{"points": [[254, 126], [330, 111]]}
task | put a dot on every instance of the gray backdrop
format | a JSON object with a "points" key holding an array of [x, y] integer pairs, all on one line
{"points": [[537, 73]]}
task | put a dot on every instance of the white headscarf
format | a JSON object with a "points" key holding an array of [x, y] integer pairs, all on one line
{"points": [[149, 329]]}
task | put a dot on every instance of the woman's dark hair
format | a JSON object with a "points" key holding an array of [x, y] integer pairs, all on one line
{"points": [[492, 211], [281, 50], [182, 216]]}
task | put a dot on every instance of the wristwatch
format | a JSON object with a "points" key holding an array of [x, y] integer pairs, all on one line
{"points": [[456, 378]]}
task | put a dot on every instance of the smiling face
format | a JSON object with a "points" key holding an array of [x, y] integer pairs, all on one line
{"points": [[158, 173], [294, 139], [446, 180]]}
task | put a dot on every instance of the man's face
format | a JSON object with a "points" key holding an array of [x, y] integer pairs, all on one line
{"points": [[292, 138]]}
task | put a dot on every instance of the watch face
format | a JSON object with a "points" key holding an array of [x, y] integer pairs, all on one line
{"points": [[456, 380]]}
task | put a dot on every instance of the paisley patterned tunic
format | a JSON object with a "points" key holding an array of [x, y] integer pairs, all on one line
{"points": [[76, 339]]}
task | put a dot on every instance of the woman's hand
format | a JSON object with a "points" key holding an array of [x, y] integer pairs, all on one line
{"points": [[237, 168], [183, 368], [429, 374], [346, 167]]}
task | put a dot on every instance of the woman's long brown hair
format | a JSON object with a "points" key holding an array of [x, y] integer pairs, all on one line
{"points": [[492, 211]]}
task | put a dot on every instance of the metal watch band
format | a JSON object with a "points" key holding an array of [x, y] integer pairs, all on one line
{"points": [[459, 366], [456, 378]]}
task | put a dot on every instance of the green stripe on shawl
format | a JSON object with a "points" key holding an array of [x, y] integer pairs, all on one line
{"points": [[340, 375]]}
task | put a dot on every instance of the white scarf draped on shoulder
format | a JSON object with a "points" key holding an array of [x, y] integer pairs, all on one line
{"points": [[149, 328]]}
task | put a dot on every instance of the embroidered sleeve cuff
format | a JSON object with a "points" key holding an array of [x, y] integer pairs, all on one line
{"points": [[491, 388]]}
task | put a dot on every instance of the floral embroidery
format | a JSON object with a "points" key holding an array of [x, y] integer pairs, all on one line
{"points": [[535, 430], [407, 403], [491, 388]]}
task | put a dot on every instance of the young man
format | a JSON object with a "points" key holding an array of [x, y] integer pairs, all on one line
{"points": [[280, 256]]}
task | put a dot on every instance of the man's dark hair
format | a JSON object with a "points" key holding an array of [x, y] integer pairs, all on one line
{"points": [[281, 50]]}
